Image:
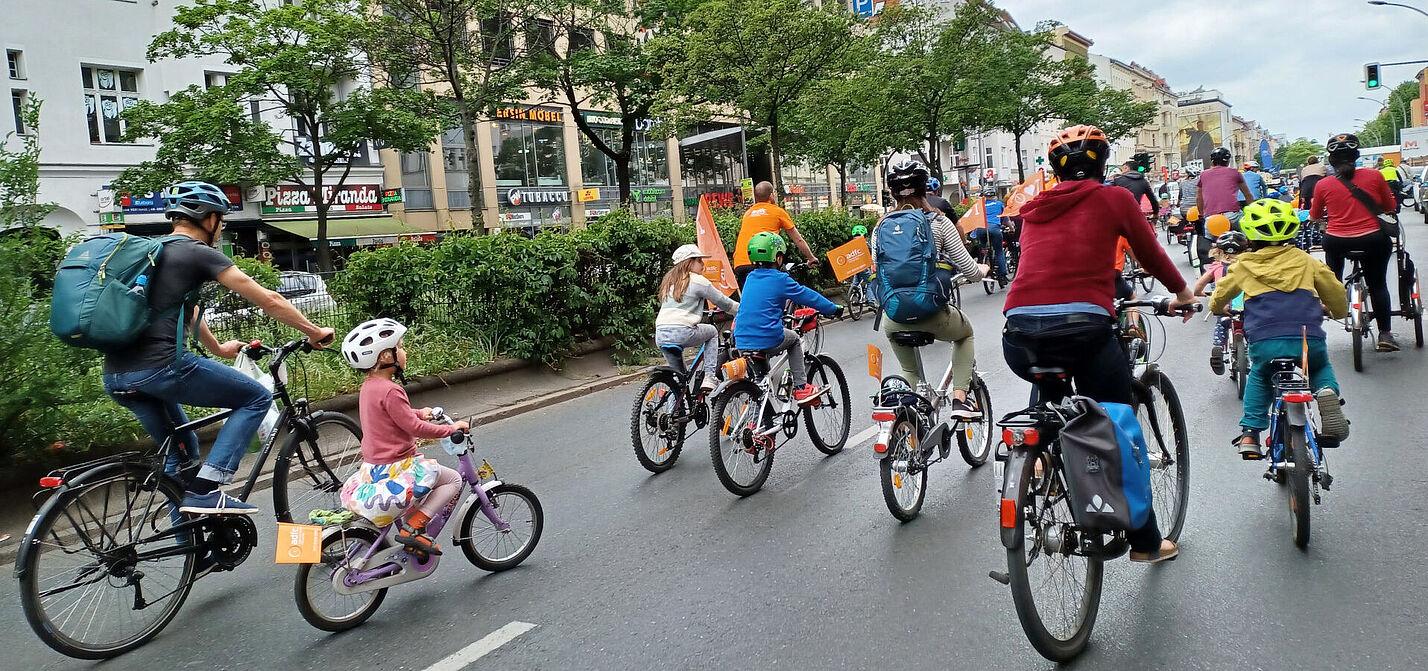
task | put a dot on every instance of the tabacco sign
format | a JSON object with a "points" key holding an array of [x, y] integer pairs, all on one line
{"points": [[286, 198], [543, 114], [518, 197]]}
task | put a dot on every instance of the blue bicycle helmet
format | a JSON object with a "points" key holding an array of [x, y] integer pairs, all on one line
{"points": [[933, 184], [194, 200]]}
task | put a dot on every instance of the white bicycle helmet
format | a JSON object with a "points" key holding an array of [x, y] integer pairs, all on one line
{"points": [[365, 343]]}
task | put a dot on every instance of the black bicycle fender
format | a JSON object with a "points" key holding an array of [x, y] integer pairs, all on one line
{"points": [[1012, 537], [1297, 414], [667, 374]]}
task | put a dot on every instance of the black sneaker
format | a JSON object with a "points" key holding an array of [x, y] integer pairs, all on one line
{"points": [[1217, 359], [963, 410]]}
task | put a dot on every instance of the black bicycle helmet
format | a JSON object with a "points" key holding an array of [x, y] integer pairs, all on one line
{"points": [[1078, 153], [907, 177], [1232, 242], [1221, 156], [1344, 146]]}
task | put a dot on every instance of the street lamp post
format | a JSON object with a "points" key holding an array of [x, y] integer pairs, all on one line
{"points": [[1376, 139], [1381, 3]]}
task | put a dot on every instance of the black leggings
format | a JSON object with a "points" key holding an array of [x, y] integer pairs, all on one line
{"points": [[1379, 250]]}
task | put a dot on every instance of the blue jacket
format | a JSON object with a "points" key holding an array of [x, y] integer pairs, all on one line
{"points": [[759, 324], [1255, 182]]}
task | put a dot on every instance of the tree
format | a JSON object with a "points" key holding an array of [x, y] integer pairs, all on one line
{"points": [[301, 60], [622, 75], [754, 59], [837, 122], [431, 42], [1297, 153], [1394, 117], [1115, 111], [20, 205], [927, 71]]}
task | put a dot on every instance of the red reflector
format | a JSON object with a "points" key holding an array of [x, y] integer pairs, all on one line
{"points": [[1298, 397], [50, 482], [1031, 436], [880, 448], [1008, 514], [1356, 306], [883, 417], [1008, 437]]}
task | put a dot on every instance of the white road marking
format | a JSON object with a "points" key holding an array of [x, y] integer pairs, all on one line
{"points": [[863, 435], [465, 656]]}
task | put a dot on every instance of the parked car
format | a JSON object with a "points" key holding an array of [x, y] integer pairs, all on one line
{"points": [[306, 291], [1419, 189]]}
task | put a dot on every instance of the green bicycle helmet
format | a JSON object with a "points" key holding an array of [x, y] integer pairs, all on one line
{"points": [[765, 248], [1269, 220], [860, 230]]}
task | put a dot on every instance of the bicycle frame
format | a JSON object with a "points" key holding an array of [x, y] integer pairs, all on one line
{"points": [[1293, 409]]}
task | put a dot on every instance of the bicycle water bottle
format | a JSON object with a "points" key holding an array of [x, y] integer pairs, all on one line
{"points": [[140, 288]]}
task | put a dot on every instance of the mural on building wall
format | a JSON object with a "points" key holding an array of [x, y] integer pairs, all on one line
{"points": [[1200, 134]]}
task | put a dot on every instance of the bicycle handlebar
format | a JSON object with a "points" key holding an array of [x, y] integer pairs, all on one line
{"points": [[1161, 306]]}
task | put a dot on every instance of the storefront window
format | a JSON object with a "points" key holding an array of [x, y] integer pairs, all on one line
{"points": [[649, 160], [416, 181], [528, 154]]}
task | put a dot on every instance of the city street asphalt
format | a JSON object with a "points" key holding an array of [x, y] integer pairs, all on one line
{"points": [[670, 571]]}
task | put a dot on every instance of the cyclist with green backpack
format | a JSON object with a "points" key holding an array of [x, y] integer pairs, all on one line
{"points": [[153, 377]]}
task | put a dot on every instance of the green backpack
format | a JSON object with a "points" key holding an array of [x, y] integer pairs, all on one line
{"points": [[101, 292]]}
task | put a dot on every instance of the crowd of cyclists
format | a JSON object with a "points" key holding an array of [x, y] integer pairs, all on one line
{"points": [[1059, 308]]}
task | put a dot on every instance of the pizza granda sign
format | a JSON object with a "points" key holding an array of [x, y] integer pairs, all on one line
{"points": [[287, 198]]}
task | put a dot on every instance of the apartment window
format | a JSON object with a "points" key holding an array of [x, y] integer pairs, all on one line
{"points": [[988, 162], [540, 35], [496, 39], [107, 93], [17, 105], [15, 60], [582, 38], [214, 80]]}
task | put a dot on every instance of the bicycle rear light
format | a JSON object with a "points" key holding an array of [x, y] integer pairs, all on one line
{"points": [[1298, 397], [50, 482]]}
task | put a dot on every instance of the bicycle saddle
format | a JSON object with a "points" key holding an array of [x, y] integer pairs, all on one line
{"points": [[911, 338], [1050, 371], [1356, 254], [1284, 363]]}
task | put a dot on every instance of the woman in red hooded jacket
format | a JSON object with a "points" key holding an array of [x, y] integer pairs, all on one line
{"points": [[1060, 306]]}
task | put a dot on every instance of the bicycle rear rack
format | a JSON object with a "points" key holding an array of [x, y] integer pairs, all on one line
{"points": [[52, 480]]}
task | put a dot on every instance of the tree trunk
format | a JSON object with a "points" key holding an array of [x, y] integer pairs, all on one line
{"points": [[324, 251], [473, 165], [622, 159], [1020, 169], [842, 185], [774, 161]]}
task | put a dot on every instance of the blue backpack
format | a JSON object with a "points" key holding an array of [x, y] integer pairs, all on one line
{"points": [[101, 291], [1107, 467], [906, 262]]}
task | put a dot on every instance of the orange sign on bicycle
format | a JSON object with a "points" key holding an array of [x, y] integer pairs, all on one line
{"points": [[299, 543], [875, 362], [851, 258]]}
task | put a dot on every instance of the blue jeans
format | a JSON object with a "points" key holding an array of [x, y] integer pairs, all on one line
{"points": [[999, 253], [1258, 390], [155, 395]]}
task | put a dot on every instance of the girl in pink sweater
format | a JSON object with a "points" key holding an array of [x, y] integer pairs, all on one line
{"points": [[393, 474]]}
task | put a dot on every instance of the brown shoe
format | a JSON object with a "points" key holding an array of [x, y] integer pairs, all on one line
{"points": [[1168, 551]]}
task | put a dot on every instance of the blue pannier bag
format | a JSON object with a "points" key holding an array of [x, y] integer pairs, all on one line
{"points": [[1107, 467], [906, 284]]}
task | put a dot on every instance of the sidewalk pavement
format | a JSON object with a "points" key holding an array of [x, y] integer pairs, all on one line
{"points": [[485, 400]]}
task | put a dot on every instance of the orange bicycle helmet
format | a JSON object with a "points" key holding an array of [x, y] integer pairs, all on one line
{"points": [[1079, 152]]}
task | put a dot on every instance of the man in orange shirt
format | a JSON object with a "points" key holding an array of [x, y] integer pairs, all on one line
{"points": [[765, 217]]}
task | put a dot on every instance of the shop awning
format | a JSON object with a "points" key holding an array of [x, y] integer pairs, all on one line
{"points": [[339, 228], [711, 135]]}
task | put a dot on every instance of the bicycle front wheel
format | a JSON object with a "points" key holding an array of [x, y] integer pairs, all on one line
{"points": [[974, 437], [317, 600], [311, 467], [654, 425], [856, 301], [103, 570], [490, 548], [742, 461], [1298, 447], [903, 489], [1162, 421], [829, 418], [1057, 592]]}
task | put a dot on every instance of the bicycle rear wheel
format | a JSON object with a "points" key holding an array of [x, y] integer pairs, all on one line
{"points": [[103, 570], [657, 436], [856, 300], [1297, 445], [741, 461], [903, 490], [974, 438], [1358, 297], [310, 469], [1057, 593], [488, 547], [1240, 349], [828, 423], [318, 602], [1162, 420]]}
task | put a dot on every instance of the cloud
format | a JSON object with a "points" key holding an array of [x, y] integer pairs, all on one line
{"points": [[1295, 67]]}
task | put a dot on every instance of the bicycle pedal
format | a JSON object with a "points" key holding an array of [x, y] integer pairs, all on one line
{"points": [[1326, 481]]}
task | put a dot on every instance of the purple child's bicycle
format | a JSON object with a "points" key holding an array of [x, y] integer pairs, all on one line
{"points": [[499, 528]]}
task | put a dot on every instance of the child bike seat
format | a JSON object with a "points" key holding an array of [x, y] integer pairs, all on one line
{"points": [[911, 338]]}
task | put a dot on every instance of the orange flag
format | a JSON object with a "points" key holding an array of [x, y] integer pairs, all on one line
{"points": [[1024, 192], [1050, 181], [974, 218], [717, 268]]}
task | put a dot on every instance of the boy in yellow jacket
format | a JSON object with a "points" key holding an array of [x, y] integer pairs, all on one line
{"points": [[1286, 293]]}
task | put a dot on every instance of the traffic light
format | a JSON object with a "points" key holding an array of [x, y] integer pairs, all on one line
{"points": [[1371, 79], [1142, 161]]}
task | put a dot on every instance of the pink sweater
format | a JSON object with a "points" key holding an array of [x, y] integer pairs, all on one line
{"points": [[390, 426]]}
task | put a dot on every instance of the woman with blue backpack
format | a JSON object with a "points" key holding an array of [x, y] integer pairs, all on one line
{"points": [[915, 248]]}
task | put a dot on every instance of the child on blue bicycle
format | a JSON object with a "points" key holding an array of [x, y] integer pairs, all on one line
{"points": [[1286, 293], [759, 325], [394, 477]]}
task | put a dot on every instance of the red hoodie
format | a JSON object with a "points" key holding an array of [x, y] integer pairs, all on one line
{"points": [[1068, 245]]}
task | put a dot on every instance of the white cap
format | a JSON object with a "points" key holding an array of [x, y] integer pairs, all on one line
{"points": [[687, 252]]}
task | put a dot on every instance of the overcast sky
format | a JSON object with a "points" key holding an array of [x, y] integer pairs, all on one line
{"points": [[1300, 77]]}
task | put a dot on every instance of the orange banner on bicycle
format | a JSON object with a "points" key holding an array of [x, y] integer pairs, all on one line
{"points": [[851, 258], [1024, 192], [299, 543], [717, 268], [974, 218]]}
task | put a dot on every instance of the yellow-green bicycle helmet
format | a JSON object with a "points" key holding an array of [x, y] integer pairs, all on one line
{"points": [[1269, 220], [765, 247]]}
